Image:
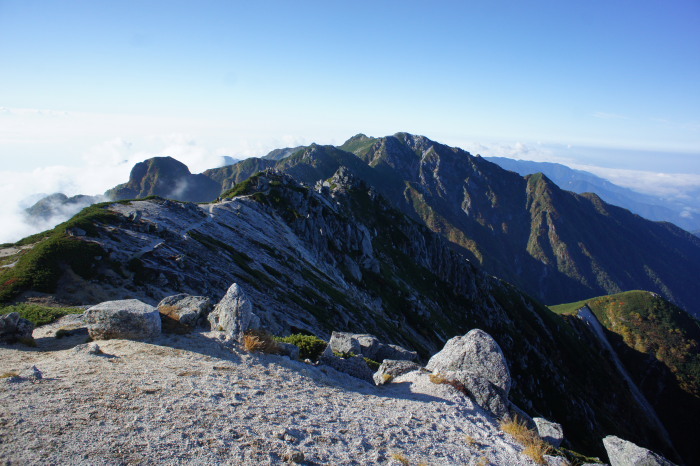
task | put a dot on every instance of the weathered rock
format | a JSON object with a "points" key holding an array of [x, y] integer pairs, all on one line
{"points": [[391, 368], [476, 353], [181, 313], [14, 328], [354, 366], [624, 453], [234, 314], [129, 319], [288, 349], [551, 460], [88, 348], [32, 373], [395, 352], [368, 346], [549, 431], [293, 456], [487, 395]]}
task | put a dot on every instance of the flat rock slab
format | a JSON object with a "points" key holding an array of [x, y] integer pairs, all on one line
{"points": [[128, 319]]}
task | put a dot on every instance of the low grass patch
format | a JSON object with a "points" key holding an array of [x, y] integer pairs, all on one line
{"points": [[40, 315], [535, 447], [260, 341]]}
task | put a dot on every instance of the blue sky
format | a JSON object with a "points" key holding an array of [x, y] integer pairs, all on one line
{"points": [[104, 83]]}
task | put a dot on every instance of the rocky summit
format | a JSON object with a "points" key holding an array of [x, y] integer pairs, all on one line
{"points": [[325, 255]]}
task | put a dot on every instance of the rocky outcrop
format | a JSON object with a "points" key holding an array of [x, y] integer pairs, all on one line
{"points": [[624, 453], [477, 354], [181, 313], [234, 314], [368, 346], [391, 368], [475, 364], [128, 319], [14, 328], [551, 432], [351, 365]]}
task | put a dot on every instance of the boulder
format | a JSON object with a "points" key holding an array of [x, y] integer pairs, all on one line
{"points": [[395, 352], [14, 328], [234, 314], [549, 431], [624, 453], [354, 366], [391, 368], [488, 396], [181, 313], [368, 346], [128, 319], [476, 353], [288, 349]]}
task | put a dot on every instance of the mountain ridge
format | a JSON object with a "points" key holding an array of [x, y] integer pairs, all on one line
{"points": [[579, 181], [341, 258]]}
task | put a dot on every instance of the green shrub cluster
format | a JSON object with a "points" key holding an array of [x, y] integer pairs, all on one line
{"points": [[310, 346]]}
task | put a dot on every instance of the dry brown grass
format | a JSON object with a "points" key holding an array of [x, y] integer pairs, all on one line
{"points": [[400, 457], [7, 375], [535, 447], [260, 341], [437, 379]]}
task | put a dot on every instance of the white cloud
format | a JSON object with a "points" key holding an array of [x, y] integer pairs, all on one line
{"points": [[679, 186]]}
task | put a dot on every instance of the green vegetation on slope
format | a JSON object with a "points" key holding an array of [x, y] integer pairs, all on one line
{"points": [[40, 315], [650, 324], [40, 267]]}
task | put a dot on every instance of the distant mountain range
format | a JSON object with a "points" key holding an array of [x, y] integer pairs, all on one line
{"points": [[555, 245], [578, 181]]}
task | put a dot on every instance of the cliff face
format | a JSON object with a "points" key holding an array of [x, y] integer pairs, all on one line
{"points": [[342, 258]]}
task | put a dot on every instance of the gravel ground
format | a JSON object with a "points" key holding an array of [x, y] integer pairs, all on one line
{"points": [[186, 399]]}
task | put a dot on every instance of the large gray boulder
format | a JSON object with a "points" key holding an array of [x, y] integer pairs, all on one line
{"points": [[488, 396], [234, 314], [128, 319], [476, 353], [182, 312], [14, 328], [392, 368], [549, 431], [368, 346], [624, 453]]}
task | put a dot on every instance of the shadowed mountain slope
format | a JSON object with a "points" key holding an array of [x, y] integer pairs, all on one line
{"points": [[579, 181], [165, 177]]}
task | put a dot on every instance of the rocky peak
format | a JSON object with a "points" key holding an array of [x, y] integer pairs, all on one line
{"points": [[165, 177]]}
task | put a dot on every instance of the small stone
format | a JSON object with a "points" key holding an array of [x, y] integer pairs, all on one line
{"points": [[549, 431], [14, 328], [390, 369], [293, 456]]}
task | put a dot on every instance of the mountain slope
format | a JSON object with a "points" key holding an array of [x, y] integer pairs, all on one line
{"points": [[659, 345], [338, 259], [580, 182], [527, 231]]}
